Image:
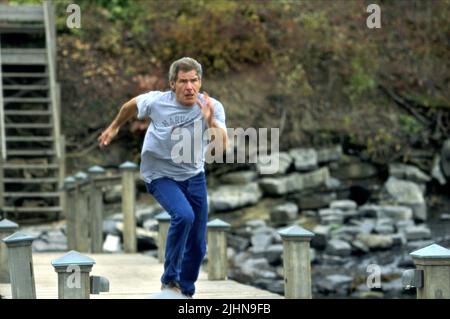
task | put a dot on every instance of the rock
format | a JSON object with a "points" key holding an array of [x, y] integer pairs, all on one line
{"points": [[234, 196], [399, 239], [407, 193], [262, 239], [418, 244], [444, 217], [384, 229], [344, 204], [146, 212], [369, 210], [417, 232], [330, 216], [305, 159], [406, 262], [256, 269], [359, 247], [337, 247], [313, 200], [401, 225], [283, 214], [280, 161], [347, 230], [112, 244], [337, 284], [408, 172], [333, 183], [110, 227], [240, 177], [329, 154], [113, 194], [276, 286], [395, 212], [273, 254], [445, 159], [255, 223], [321, 236], [354, 171], [436, 171], [237, 242], [376, 241], [294, 182]]}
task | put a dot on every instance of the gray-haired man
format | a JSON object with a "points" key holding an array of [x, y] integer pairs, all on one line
{"points": [[180, 187]]}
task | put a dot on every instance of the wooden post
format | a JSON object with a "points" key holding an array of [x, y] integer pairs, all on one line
{"points": [[73, 271], [2, 161], [217, 250], [128, 206], [70, 211], [81, 213], [296, 262], [434, 263], [7, 228], [21, 266], [96, 210], [163, 228]]}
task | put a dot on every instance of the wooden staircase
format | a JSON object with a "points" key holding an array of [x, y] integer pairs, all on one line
{"points": [[32, 160]]}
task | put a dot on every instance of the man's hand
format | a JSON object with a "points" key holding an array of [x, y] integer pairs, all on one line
{"points": [[106, 137], [207, 109]]}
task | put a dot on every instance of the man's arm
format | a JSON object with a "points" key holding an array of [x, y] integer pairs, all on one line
{"points": [[126, 112], [214, 129]]}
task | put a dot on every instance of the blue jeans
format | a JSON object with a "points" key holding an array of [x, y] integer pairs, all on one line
{"points": [[186, 203]]}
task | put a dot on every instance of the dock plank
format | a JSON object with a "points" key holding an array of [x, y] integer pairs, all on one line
{"points": [[134, 276]]}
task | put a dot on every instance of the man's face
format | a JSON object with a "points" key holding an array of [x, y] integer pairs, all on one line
{"points": [[186, 87]]}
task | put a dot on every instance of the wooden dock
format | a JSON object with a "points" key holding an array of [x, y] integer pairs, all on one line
{"points": [[133, 276]]}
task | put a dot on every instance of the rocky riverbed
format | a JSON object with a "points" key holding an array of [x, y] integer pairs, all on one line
{"points": [[365, 218]]}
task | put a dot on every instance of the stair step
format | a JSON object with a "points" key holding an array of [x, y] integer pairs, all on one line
{"points": [[29, 125], [24, 87], [24, 56], [22, 28], [38, 209], [21, 13], [29, 139], [31, 181], [26, 100], [27, 112], [29, 152], [25, 75], [31, 194], [9, 166]]}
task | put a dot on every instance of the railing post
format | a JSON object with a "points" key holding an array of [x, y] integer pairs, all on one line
{"points": [[81, 213], [296, 262], [163, 228], [96, 210], [7, 228], [21, 266], [434, 264], [128, 206], [70, 210], [217, 250], [73, 271]]}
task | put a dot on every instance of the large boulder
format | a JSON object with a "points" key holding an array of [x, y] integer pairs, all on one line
{"points": [[294, 182], [273, 164], [305, 159], [406, 193], [284, 213], [230, 197], [408, 172]]}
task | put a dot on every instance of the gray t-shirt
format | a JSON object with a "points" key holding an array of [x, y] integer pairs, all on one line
{"points": [[171, 124]]}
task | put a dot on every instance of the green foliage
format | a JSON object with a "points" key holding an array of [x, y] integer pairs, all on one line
{"points": [[409, 124]]}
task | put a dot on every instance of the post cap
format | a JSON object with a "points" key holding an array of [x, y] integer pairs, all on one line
{"points": [[218, 224], [81, 176], [128, 166], [6, 225], [18, 238], [69, 182], [73, 258], [295, 231], [164, 216], [96, 170], [433, 251]]}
